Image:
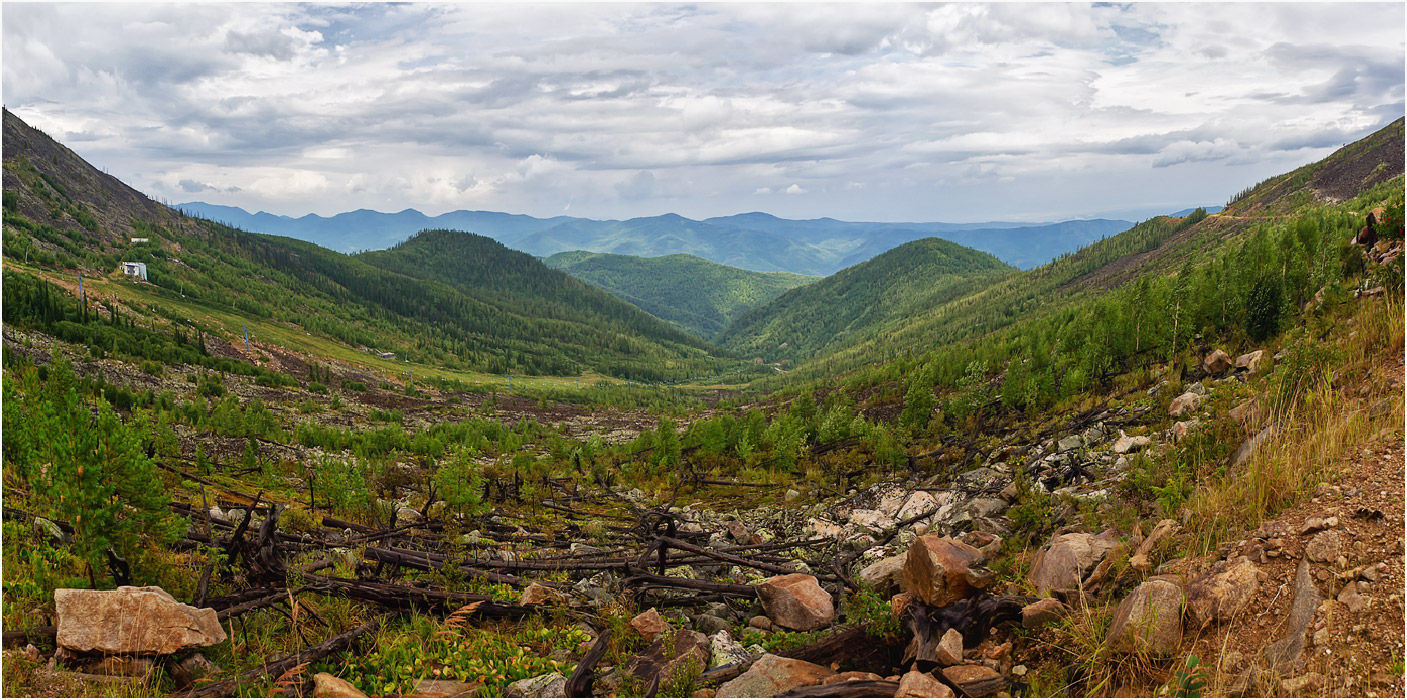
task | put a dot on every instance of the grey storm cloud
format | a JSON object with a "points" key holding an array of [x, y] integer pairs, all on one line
{"points": [[865, 111]]}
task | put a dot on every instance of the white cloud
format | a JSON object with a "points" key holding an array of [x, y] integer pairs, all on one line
{"points": [[951, 112]]}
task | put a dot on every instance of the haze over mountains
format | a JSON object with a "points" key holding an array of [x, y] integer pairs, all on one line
{"points": [[753, 241]]}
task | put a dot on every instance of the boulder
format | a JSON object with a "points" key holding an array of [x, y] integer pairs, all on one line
{"points": [[1249, 362], [1129, 443], [872, 520], [725, 651], [975, 681], [549, 685], [949, 651], [885, 575], [538, 594], [49, 529], [710, 624], [917, 684], [797, 602], [918, 503], [739, 532], [1149, 619], [1216, 363], [1069, 442], [771, 676], [1221, 593], [326, 685], [1184, 403], [132, 620], [940, 571], [1067, 559], [649, 624]]}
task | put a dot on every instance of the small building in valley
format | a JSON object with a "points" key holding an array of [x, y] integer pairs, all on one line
{"points": [[135, 269]]}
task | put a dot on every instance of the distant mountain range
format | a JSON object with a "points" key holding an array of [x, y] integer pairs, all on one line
{"points": [[753, 241]]}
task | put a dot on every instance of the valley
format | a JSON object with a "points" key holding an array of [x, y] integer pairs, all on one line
{"points": [[1165, 463]]}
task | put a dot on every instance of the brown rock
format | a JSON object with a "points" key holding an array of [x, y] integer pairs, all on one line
{"points": [[760, 622], [326, 685], [771, 676], [797, 602], [1184, 403], [975, 681], [132, 620], [940, 571], [949, 651], [1065, 561], [538, 594], [1324, 547], [1217, 362], [916, 684], [1041, 613], [1349, 596], [1149, 619], [1221, 593], [649, 624], [1243, 412]]}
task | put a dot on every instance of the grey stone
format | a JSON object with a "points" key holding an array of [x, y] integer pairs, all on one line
{"points": [[1284, 653]]}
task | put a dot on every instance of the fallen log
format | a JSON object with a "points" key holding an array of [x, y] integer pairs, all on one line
{"points": [[845, 689], [30, 636], [851, 648], [227, 688], [258, 603], [416, 560], [648, 580], [408, 597], [733, 559], [579, 685]]}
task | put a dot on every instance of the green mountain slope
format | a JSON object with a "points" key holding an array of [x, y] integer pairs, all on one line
{"points": [[1328, 197], [856, 303], [698, 295], [500, 311]]}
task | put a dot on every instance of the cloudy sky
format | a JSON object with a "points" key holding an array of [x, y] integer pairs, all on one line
{"points": [[861, 112]]}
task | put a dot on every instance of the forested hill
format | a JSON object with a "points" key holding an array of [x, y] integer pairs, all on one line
{"points": [[853, 304], [698, 295], [483, 269], [63, 218]]}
